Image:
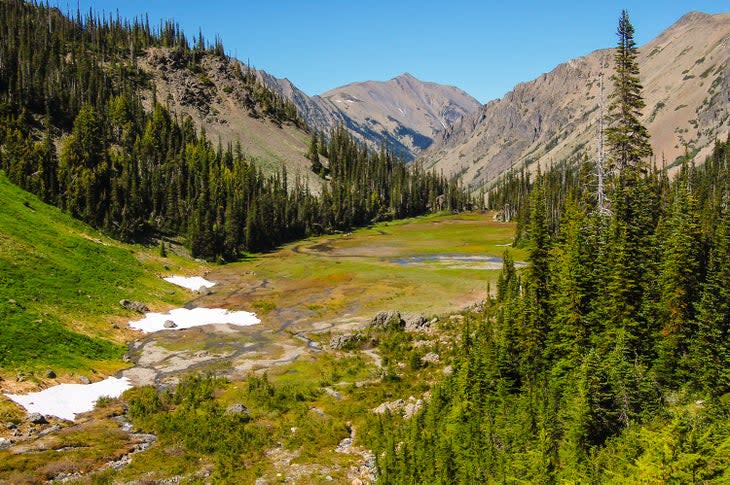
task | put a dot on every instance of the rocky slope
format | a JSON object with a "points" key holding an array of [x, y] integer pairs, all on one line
{"points": [[685, 72], [231, 109], [404, 113]]}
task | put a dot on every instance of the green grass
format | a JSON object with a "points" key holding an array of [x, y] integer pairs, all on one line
{"points": [[60, 286]]}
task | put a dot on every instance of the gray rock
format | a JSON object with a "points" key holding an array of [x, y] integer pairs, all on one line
{"points": [[10, 425], [346, 341], [169, 324], [237, 408], [84, 380], [4, 443], [203, 291], [431, 358], [37, 418], [385, 320], [332, 393], [415, 322], [135, 306], [50, 374]]}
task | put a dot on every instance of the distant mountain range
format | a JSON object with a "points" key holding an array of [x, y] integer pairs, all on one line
{"points": [[404, 114], [685, 72]]}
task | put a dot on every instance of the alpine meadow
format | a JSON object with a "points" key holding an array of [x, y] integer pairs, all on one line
{"points": [[208, 275]]}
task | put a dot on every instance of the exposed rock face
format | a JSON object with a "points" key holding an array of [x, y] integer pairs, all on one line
{"points": [[415, 322], [403, 113], [686, 77], [135, 306], [387, 319], [346, 341], [406, 408], [37, 418]]}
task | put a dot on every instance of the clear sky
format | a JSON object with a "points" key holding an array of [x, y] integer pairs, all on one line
{"points": [[483, 47]]}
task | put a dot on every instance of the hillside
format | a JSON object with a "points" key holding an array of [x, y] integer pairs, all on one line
{"points": [[686, 77], [403, 113], [60, 286], [222, 97]]}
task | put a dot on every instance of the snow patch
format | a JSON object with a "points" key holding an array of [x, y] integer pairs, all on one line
{"points": [[192, 283], [184, 318], [65, 401]]}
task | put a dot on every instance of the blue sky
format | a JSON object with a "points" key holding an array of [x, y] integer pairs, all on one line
{"points": [[483, 47]]}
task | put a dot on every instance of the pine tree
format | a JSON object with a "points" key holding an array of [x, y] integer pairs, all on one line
{"points": [[628, 139]]}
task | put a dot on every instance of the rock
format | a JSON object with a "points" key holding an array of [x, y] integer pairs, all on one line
{"points": [[135, 306], [50, 374], [10, 425], [37, 418], [203, 291], [415, 322], [84, 380], [331, 392], [431, 358], [317, 411], [237, 408], [414, 405], [385, 320], [169, 324], [346, 341], [448, 370], [4, 443], [391, 406], [126, 358], [115, 326]]}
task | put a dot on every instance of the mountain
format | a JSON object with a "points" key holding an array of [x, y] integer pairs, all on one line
{"points": [[403, 113], [233, 108], [685, 72]]}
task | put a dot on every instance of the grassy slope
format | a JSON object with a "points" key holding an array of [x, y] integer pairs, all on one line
{"points": [[60, 286]]}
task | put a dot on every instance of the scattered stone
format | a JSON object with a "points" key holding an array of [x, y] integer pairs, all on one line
{"points": [[431, 358], [237, 408], [331, 392], [126, 358], [50, 374], [37, 418], [448, 370], [415, 322], [169, 324], [201, 353], [385, 320], [346, 341], [10, 425], [4, 443], [414, 405], [84, 380], [294, 429], [203, 291], [391, 407], [115, 326], [135, 306], [344, 446], [49, 430]]}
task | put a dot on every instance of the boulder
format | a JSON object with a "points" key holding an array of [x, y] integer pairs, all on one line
{"points": [[415, 322], [203, 291], [346, 341], [84, 380], [37, 418], [4, 443], [135, 306], [50, 374], [237, 408], [385, 320], [431, 358], [169, 324]]}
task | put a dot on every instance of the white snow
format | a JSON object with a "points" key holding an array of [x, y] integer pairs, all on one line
{"points": [[191, 283], [67, 400], [184, 318]]}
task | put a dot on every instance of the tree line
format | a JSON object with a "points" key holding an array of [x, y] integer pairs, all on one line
{"points": [[608, 358], [76, 133]]}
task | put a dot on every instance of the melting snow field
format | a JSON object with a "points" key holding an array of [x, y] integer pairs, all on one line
{"points": [[191, 283], [66, 400], [184, 318]]}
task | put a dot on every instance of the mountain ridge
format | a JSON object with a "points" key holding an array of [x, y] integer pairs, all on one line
{"points": [[554, 116]]}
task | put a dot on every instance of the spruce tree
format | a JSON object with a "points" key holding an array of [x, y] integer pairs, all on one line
{"points": [[628, 139]]}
